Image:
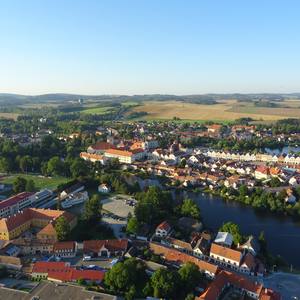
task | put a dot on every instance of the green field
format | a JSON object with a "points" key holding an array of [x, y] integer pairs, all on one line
{"points": [[97, 110], [39, 181]]}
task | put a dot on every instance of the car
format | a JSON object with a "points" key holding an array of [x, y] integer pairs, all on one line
{"points": [[87, 258]]}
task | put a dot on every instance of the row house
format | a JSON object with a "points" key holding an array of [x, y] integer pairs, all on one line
{"points": [[226, 280], [105, 248], [63, 272], [16, 203], [125, 156]]}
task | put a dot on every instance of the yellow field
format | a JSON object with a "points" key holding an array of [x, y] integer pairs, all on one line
{"points": [[13, 116], [224, 111]]}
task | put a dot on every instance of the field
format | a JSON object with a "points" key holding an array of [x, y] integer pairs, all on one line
{"points": [[97, 110], [4, 115], [40, 181], [228, 110]]}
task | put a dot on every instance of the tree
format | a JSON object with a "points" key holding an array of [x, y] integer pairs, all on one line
{"points": [[234, 230], [190, 276], [78, 168], [92, 209], [165, 283], [127, 278], [25, 163], [30, 186], [5, 165], [62, 228], [55, 166], [132, 225], [190, 209], [19, 184]]}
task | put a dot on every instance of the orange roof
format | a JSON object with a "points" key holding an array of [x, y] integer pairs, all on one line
{"points": [[176, 256], [46, 266], [28, 214], [224, 278], [91, 155], [111, 245], [164, 226], [226, 252], [119, 152], [69, 245], [102, 146]]}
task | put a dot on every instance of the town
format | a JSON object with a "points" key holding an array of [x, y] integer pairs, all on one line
{"points": [[135, 192]]}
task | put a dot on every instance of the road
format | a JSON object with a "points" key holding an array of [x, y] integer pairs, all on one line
{"points": [[288, 285]]}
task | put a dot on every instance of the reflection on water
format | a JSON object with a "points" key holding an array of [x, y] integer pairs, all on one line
{"points": [[282, 232]]}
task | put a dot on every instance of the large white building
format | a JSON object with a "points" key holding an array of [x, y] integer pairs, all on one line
{"points": [[125, 156]]}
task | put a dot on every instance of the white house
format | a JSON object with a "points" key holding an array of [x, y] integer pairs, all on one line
{"points": [[163, 229], [103, 188]]}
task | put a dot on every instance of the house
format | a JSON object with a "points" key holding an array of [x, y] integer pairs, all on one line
{"points": [[65, 249], [93, 157], [99, 148], [62, 272], [201, 247], [15, 204], [248, 264], [178, 244], [104, 188], [178, 258], [163, 229], [224, 238], [226, 256], [75, 188], [11, 262], [225, 280], [262, 172], [43, 219], [125, 156], [105, 248], [251, 245]]}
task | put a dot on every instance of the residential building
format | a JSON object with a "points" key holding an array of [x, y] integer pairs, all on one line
{"points": [[65, 249], [105, 248], [104, 188], [15, 204], [125, 156], [226, 256], [163, 229], [44, 219]]}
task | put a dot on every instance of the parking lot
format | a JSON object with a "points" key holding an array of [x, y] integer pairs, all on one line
{"points": [[115, 212], [117, 205], [18, 284]]}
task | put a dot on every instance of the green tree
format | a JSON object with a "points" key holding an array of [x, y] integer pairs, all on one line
{"points": [[55, 166], [78, 168], [234, 230], [5, 165], [25, 163], [190, 209], [92, 209], [190, 276], [30, 186], [165, 283], [62, 228], [128, 277], [132, 225], [19, 184]]}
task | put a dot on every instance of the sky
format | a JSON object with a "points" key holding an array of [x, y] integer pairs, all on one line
{"points": [[149, 46]]}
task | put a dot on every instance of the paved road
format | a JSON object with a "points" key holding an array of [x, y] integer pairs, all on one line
{"points": [[288, 285]]}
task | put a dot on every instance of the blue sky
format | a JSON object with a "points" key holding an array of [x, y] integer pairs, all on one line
{"points": [[153, 46]]}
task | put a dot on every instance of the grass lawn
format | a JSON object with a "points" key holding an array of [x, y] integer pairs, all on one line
{"points": [[98, 110], [39, 181]]}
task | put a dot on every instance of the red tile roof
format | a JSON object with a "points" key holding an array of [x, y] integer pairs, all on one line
{"points": [[111, 245], [102, 146], [226, 252], [224, 278], [164, 226], [45, 267], [15, 199], [178, 257], [70, 245]]}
